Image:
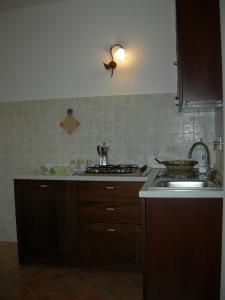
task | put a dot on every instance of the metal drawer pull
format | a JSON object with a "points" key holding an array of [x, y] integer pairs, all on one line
{"points": [[45, 186], [111, 187], [110, 209], [111, 230]]}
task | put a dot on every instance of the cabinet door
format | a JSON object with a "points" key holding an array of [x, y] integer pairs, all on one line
{"points": [[199, 51], [46, 218], [183, 249], [110, 243]]}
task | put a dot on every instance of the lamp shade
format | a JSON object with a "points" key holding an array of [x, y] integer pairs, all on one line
{"points": [[120, 54]]}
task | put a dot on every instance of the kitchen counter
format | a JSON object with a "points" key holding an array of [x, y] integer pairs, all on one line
{"points": [[84, 177], [147, 191], [150, 191]]}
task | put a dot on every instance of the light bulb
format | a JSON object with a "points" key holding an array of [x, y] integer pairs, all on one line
{"points": [[120, 54]]}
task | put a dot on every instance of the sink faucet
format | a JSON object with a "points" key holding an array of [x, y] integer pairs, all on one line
{"points": [[207, 154]]}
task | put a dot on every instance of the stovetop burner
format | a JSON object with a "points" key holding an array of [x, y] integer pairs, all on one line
{"points": [[116, 169]]}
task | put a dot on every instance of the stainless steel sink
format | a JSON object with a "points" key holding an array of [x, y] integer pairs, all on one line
{"points": [[161, 179], [184, 184]]}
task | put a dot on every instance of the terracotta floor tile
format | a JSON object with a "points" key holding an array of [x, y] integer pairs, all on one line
{"points": [[100, 296], [90, 272], [13, 260], [7, 265], [134, 277], [124, 292], [56, 270], [51, 282], [9, 279], [109, 280], [8, 249], [56, 294], [41, 285], [7, 246], [28, 297], [33, 272], [17, 297], [15, 291], [83, 289], [72, 277]]}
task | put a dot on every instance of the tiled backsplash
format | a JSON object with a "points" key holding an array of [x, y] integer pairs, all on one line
{"points": [[137, 128], [219, 133]]}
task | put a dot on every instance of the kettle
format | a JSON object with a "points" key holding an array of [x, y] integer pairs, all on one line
{"points": [[103, 153]]}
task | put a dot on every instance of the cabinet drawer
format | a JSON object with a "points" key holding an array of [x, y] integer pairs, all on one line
{"points": [[115, 243], [111, 212], [39, 185], [109, 191]]}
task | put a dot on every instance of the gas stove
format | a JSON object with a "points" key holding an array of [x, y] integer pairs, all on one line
{"points": [[122, 169]]}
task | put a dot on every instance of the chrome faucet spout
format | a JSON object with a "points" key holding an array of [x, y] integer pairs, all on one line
{"points": [[200, 143]]}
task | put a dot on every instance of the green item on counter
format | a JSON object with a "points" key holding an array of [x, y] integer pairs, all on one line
{"points": [[60, 170]]}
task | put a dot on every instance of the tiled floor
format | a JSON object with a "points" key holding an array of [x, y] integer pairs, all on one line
{"points": [[43, 282]]}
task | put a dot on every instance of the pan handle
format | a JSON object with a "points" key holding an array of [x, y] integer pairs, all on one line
{"points": [[158, 160], [98, 150]]}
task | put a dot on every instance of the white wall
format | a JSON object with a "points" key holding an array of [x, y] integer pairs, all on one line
{"points": [[57, 49], [222, 16]]}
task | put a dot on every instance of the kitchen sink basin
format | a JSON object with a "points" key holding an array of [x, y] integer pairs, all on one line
{"points": [[184, 184], [186, 180]]}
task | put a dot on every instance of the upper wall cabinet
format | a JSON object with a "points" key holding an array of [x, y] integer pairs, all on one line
{"points": [[199, 53]]}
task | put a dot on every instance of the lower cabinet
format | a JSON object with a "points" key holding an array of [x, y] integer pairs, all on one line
{"points": [[110, 222], [183, 248], [106, 223], [46, 214], [80, 222]]}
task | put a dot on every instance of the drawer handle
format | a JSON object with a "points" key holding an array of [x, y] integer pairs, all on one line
{"points": [[45, 186], [112, 187], [110, 209], [111, 229]]}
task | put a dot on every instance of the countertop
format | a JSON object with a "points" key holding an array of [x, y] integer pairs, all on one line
{"points": [[149, 191], [84, 177]]}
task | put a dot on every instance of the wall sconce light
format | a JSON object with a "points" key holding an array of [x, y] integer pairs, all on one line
{"points": [[120, 54]]}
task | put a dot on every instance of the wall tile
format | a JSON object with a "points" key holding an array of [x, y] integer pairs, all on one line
{"points": [[219, 133], [137, 128]]}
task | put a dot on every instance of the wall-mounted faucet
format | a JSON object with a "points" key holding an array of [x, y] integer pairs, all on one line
{"points": [[200, 143]]}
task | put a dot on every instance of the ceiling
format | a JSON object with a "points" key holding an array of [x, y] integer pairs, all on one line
{"points": [[11, 4]]}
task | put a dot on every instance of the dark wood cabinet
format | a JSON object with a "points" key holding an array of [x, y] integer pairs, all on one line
{"points": [[86, 222], [46, 215], [111, 222], [182, 249], [199, 53]]}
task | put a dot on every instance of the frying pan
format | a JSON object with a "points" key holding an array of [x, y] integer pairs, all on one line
{"points": [[181, 165]]}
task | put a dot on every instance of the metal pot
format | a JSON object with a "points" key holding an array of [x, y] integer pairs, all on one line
{"points": [[178, 165]]}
